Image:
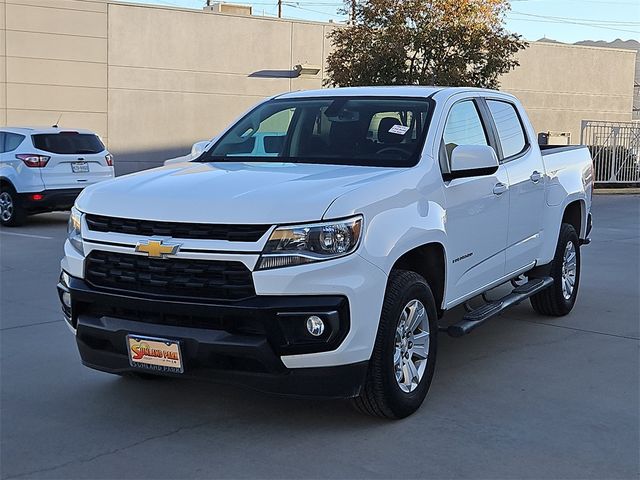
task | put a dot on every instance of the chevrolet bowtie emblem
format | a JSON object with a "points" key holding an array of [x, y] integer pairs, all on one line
{"points": [[157, 248]]}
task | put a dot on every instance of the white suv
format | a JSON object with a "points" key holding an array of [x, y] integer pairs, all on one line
{"points": [[45, 169]]}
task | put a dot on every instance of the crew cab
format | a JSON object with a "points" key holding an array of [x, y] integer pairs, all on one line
{"points": [[326, 269], [45, 169]]}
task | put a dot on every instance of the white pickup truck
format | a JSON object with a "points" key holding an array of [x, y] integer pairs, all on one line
{"points": [[322, 262]]}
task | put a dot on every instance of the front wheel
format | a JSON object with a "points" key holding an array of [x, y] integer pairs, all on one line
{"points": [[559, 298], [404, 355]]}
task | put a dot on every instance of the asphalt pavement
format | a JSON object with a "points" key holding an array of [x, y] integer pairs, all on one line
{"points": [[523, 397]]}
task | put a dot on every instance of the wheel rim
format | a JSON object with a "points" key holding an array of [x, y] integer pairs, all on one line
{"points": [[569, 270], [411, 346], [6, 206]]}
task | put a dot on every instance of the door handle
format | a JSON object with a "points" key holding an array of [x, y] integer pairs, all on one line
{"points": [[536, 176], [499, 188]]}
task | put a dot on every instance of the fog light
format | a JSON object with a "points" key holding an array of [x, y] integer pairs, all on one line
{"points": [[66, 299], [315, 325]]}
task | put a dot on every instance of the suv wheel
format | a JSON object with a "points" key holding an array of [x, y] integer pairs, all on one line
{"points": [[11, 212], [403, 359], [559, 298]]}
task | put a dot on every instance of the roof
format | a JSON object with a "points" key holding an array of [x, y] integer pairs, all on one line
{"points": [[37, 130], [387, 91], [397, 91]]}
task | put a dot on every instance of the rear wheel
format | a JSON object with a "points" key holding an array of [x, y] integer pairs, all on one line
{"points": [[559, 298], [403, 359], [12, 213]]}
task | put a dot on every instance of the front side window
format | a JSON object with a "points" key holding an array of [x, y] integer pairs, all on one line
{"points": [[463, 127], [509, 127], [332, 130]]}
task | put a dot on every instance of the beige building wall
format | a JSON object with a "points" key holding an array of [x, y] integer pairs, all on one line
{"points": [[187, 74], [55, 63], [3, 65], [152, 80], [561, 85]]}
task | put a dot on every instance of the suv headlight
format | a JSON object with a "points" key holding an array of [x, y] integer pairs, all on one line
{"points": [[74, 228], [300, 244]]}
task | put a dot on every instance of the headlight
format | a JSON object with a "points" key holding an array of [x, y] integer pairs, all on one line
{"points": [[74, 229], [300, 244]]}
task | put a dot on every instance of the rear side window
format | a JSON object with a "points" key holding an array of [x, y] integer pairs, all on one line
{"points": [[10, 141], [510, 131], [68, 143]]}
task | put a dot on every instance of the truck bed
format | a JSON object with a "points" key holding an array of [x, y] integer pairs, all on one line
{"points": [[552, 149]]}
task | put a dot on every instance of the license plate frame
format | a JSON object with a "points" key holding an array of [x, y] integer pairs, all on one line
{"points": [[161, 355], [80, 167]]}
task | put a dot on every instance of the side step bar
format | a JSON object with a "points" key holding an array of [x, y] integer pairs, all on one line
{"points": [[481, 314]]}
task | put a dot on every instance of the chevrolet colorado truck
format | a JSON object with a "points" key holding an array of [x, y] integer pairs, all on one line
{"points": [[322, 262]]}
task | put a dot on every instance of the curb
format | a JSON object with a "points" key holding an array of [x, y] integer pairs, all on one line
{"points": [[616, 191]]}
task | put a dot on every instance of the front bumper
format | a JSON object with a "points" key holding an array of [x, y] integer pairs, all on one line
{"points": [[50, 200], [238, 343]]}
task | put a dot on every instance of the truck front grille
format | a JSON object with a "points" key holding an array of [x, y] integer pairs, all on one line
{"points": [[174, 277], [199, 231]]}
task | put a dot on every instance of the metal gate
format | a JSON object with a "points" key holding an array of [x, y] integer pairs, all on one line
{"points": [[615, 149]]}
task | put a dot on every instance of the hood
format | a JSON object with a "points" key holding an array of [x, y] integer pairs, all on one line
{"points": [[250, 193]]}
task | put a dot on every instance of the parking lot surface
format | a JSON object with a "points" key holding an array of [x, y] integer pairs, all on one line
{"points": [[523, 397]]}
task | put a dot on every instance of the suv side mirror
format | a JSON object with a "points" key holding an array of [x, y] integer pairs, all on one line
{"points": [[199, 148], [473, 161]]}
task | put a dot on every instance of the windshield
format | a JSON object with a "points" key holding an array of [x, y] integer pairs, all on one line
{"points": [[329, 130]]}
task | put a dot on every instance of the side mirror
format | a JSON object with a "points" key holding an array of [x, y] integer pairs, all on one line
{"points": [[473, 161], [199, 148]]}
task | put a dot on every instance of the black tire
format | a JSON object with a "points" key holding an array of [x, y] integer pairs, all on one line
{"points": [[552, 301], [12, 213], [381, 395]]}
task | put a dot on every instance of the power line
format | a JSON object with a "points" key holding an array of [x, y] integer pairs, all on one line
{"points": [[567, 20]]}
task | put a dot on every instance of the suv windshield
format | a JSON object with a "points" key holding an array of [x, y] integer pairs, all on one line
{"points": [[68, 143], [366, 131]]}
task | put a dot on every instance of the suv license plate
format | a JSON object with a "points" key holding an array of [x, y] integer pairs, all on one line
{"points": [[80, 167], [157, 354]]}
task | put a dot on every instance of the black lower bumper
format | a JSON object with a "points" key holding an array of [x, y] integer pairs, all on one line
{"points": [[49, 200], [240, 343]]}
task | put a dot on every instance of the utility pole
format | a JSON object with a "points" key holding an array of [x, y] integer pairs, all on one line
{"points": [[353, 11], [279, 8]]}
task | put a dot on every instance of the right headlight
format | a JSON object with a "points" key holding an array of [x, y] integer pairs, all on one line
{"points": [[300, 244], [74, 229]]}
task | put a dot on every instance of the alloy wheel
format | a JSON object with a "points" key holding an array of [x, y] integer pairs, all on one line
{"points": [[569, 270], [411, 346], [6, 206]]}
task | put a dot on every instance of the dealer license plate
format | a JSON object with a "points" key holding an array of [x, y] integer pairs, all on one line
{"points": [[80, 167], [158, 354]]}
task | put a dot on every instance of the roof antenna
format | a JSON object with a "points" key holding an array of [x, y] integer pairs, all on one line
{"points": [[55, 125]]}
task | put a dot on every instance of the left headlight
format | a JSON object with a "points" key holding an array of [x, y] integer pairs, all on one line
{"points": [[74, 229], [300, 244]]}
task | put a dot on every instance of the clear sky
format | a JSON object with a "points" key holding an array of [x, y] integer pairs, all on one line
{"points": [[563, 20]]}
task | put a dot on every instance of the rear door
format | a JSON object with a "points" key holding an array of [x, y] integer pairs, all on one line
{"points": [[525, 170], [477, 209], [75, 159]]}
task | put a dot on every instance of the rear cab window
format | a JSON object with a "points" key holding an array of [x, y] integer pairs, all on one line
{"points": [[509, 128], [68, 143]]}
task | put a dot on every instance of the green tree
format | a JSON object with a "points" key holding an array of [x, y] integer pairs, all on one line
{"points": [[418, 42]]}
